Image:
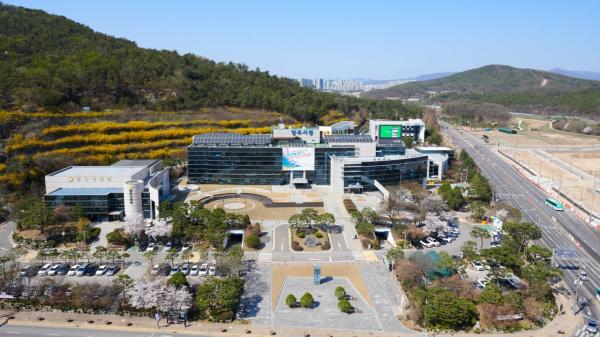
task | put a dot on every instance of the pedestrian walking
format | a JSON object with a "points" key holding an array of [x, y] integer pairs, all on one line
{"points": [[157, 318]]}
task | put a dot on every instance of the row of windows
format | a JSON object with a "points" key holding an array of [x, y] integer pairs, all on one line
{"points": [[386, 173], [95, 206], [253, 166]]}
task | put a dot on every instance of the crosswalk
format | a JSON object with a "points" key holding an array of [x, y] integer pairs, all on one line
{"points": [[583, 333]]}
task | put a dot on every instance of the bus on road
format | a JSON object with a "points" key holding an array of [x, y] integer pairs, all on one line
{"points": [[557, 206]]}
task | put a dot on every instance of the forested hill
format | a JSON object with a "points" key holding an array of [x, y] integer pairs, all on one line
{"points": [[490, 79], [51, 62]]}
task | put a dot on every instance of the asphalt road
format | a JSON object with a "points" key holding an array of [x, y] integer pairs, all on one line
{"points": [[560, 229], [10, 330]]}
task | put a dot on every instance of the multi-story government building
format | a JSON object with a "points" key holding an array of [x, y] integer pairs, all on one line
{"points": [[125, 188], [333, 155]]}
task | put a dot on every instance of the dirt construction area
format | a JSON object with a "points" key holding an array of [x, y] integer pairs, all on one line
{"points": [[564, 160]]}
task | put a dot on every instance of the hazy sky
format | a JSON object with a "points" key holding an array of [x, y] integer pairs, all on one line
{"points": [[347, 39]]}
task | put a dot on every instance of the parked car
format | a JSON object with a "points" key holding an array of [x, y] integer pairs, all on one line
{"points": [[426, 244], [495, 244], [583, 275], [29, 270], [112, 270], [480, 283], [185, 269], [195, 269], [91, 270], [592, 326], [212, 270], [185, 246], [155, 269], [82, 270], [44, 270], [168, 246], [73, 270], [477, 266], [174, 269], [510, 282], [101, 270], [203, 270], [151, 246], [445, 238], [52, 270], [63, 269], [433, 241]]}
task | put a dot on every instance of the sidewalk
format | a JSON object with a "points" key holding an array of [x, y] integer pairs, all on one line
{"points": [[148, 325]]}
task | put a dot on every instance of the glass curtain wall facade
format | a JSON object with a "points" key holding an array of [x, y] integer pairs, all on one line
{"points": [[253, 165], [382, 151], [96, 206], [388, 173], [236, 165]]}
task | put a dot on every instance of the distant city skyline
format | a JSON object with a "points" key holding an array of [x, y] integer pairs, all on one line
{"points": [[382, 40]]}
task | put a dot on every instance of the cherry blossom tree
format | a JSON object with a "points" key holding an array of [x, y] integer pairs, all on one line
{"points": [[134, 224], [160, 228], [145, 295], [156, 295]]}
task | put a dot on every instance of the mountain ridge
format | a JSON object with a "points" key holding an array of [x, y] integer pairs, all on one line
{"points": [[52, 62], [490, 78]]}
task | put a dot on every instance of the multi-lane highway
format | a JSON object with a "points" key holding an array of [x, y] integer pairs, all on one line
{"points": [[560, 229]]}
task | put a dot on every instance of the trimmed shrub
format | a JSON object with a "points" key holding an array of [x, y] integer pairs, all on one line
{"points": [[252, 241], [307, 300], [345, 306], [340, 293], [300, 234], [296, 246], [178, 279], [291, 301], [319, 235]]}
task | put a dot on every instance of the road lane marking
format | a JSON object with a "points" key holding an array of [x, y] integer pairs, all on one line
{"points": [[14, 332]]}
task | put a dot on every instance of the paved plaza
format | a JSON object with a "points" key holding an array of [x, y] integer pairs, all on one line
{"points": [[326, 312], [385, 294]]}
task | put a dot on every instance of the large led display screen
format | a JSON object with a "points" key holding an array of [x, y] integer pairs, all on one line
{"points": [[298, 159], [390, 131]]}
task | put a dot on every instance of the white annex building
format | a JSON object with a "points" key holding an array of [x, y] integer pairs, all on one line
{"points": [[127, 187]]}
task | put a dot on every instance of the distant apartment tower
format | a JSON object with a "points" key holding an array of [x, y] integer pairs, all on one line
{"points": [[306, 83]]}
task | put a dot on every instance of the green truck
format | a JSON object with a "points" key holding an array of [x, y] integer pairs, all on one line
{"points": [[508, 130]]}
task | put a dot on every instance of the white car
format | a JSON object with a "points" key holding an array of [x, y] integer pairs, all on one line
{"points": [[53, 269], [583, 275], [478, 266], [101, 270], [151, 247], [44, 269], [73, 270], [426, 244], [433, 241], [481, 283], [203, 270], [212, 271], [174, 269], [195, 269]]}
